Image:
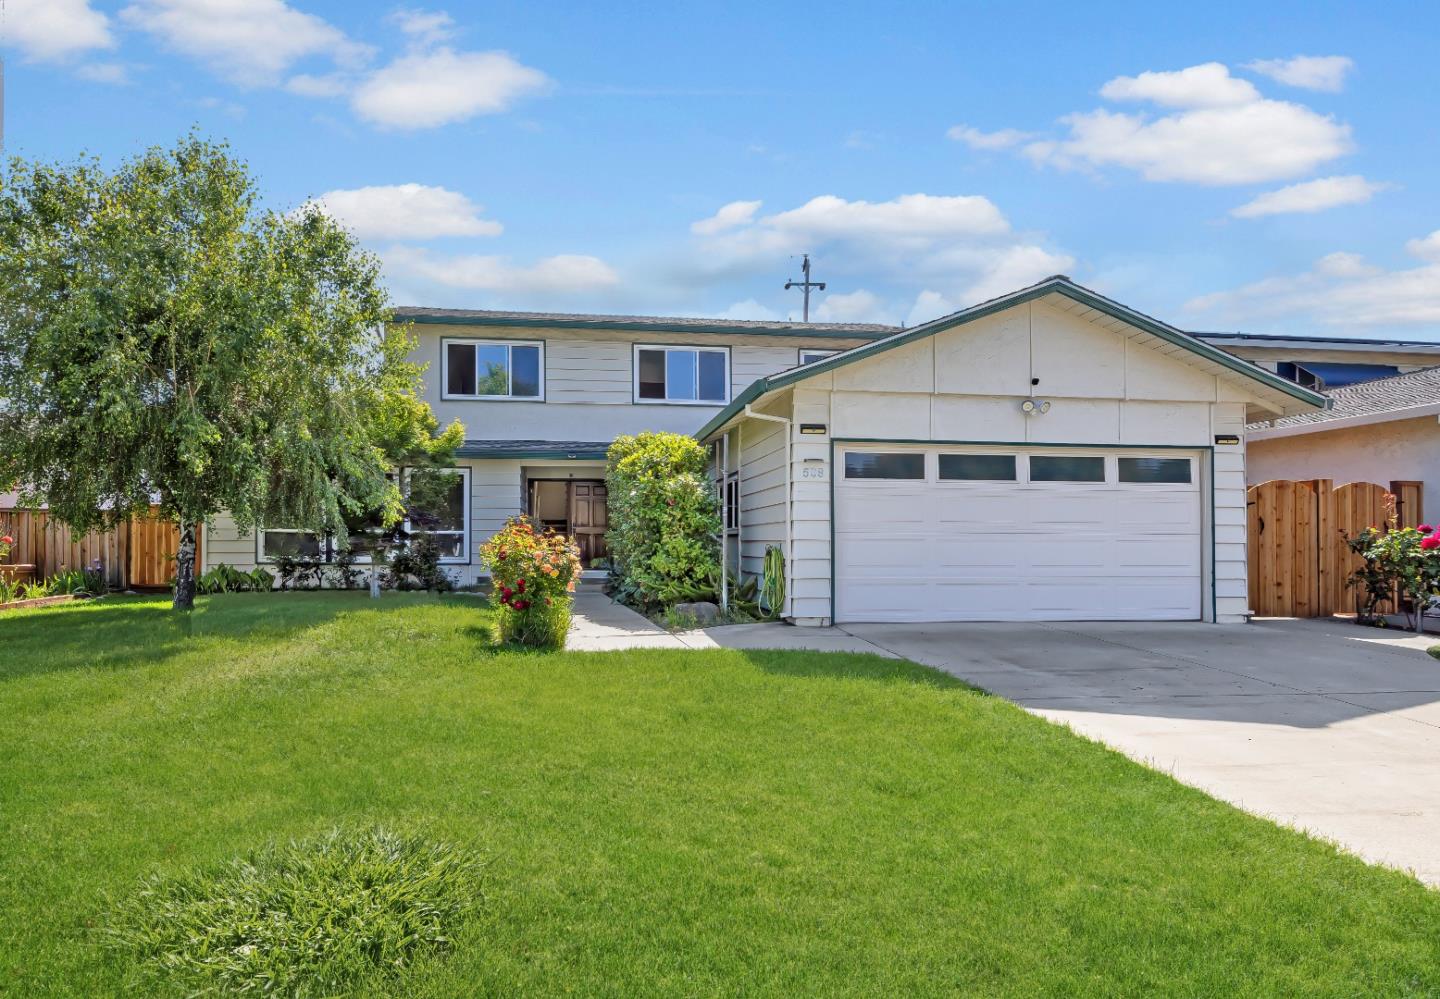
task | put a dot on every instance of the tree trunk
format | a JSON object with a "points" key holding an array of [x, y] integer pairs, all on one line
{"points": [[185, 568]]}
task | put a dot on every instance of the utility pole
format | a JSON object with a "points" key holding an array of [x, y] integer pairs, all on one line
{"points": [[805, 285]]}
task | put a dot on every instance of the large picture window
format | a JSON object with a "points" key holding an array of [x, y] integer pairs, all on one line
{"points": [[494, 369], [439, 506], [686, 375]]}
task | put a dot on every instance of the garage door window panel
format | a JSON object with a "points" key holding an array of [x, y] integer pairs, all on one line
{"points": [[892, 465], [977, 468], [1067, 468], [1168, 471]]}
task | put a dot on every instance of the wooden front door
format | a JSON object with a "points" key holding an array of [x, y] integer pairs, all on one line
{"points": [[588, 519]]}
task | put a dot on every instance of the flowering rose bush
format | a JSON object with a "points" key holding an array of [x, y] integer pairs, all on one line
{"points": [[1403, 558], [5, 542], [533, 574]]}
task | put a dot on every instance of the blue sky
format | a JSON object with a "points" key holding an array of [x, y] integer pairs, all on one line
{"points": [[1269, 167]]}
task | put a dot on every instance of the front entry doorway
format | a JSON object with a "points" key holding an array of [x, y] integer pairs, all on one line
{"points": [[575, 507]]}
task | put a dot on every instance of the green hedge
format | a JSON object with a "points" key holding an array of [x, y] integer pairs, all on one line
{"points": [[664, 520]]}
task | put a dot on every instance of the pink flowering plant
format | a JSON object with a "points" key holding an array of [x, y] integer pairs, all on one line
{"points": [[533, 575], [6, 542], [1406, 559]]}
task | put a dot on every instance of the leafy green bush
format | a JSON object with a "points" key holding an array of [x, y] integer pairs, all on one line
{"points": [[225, 578], [664, 520], [313, 918]]}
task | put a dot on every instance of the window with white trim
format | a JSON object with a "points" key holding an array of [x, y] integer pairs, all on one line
{"points": [[697, 376], [493, 369], [443, 514], [809, 355]]}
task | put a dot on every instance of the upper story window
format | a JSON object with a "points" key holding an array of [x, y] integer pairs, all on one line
{"points": [[809, 355], [697, 376], [494, 369]]}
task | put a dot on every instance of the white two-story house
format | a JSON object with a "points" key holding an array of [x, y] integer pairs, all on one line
{"points": [[541, 397], [1050, 454]]}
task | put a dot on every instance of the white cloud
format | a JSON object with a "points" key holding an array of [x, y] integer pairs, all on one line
{"points": [[104, 72], [858, 306], [1426, 247], [323, 85], [251, 42], [406, 211], [750, 309], [1222, 132], [1005, 138], [728, 217], [910, 216], [1325, 73], [929, 305], [425, 27], [51, 30], [1341, 290], [558, 275], [1310, 196], [1208, 85], [433, 88]]}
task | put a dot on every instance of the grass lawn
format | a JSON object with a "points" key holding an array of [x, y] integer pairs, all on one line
{"points": [[654, 822]]}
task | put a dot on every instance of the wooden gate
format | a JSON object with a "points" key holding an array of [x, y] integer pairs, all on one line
{"points": [[1299, 563], [153, 544]]}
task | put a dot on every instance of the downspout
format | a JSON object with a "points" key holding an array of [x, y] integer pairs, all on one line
{"points": [[789, 507]]}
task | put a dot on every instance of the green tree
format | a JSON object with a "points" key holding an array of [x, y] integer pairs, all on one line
{"points": [[163, 338]]}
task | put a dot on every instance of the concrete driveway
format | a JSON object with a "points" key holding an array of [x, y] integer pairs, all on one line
{"points": [[1325, 726]]}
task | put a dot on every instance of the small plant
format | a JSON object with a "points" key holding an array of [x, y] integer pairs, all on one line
{"points": [[322, 917], [6, 543], [419, 561], [287, 567], [533, 574], [772, 589], [262, 580], [347, 577]]}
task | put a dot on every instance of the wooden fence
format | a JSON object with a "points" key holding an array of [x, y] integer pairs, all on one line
{"points": [[140, 553], [1299, 563]]}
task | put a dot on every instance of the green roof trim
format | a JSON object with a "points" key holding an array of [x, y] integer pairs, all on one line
{"points": [[717, 328], [1058, 284]]}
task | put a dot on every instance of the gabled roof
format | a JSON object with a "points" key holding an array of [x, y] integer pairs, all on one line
{"points": [[1058, 284], [672, 324], [1399, 397], [1342, 343]]}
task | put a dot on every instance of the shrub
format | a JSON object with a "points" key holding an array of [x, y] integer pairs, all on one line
{"points": [[419, 561], [533, 574], [664, 520], [1403, 558], [315, 918]]}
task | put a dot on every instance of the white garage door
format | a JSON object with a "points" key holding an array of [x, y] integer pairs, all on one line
{"points": [[981, 534]]}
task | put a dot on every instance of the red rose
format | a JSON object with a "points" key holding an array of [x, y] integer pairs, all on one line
{"points": [[520, 585], [1431, 542], [1425, 529], [7, 540], [506, 593]]}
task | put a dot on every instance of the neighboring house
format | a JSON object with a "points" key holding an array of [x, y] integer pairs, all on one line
{"points": [[1050, 454], [1378, 431], [1327, 362]]}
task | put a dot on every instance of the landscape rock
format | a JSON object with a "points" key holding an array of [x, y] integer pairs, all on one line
{"points": [[703, 611]]}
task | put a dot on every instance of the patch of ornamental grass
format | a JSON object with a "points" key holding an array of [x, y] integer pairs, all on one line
{"points": [[309, 918]]}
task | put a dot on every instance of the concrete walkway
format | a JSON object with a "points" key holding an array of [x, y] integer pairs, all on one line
{"points": [[601, 625], [1325, 726]]}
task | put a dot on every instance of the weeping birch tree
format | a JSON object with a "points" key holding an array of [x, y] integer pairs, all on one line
{"points": [[165, 341]]}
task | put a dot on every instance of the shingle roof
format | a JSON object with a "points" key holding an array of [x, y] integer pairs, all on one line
{"points": [[572, 450], [691, 324], [1383, 395]]}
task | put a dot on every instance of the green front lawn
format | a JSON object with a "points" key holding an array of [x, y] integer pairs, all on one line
{"points": [[689, 823]]}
